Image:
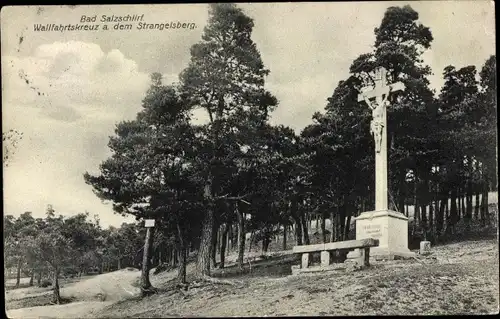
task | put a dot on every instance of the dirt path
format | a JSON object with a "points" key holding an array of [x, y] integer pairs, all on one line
{"points": [[115, 286], [71, 310]]}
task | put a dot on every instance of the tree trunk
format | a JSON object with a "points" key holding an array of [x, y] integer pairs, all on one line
{"points": [[296, 219], [55, 286], [453, 211], [443, 192], [484, 204], [416, 210], [176, 256], [468, 210], [39, 279], [305, 231], [251, 241], [18, 274], [481, 207], [265, 243], [402, 190], [228, 239], [168, 255], [203, 261], [447, 210], [235, 238], [225, 230], [171, 257], [32, 278], [432, 203], [219, 239], [298, 231], [424, 201], [285, 231], [119, 263], [347, 227], [213, 249], [181, 274], [459, 205], [145, 283], [241, 235], [323, 227], [340, 223], [476, 206], [462, 204], [332, 225]]}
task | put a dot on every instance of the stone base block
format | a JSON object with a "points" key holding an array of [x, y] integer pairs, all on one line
{"points": [[305, 260], [386, 254], [390, 228], [325, 258], [425, 247], [296, 270], [355, 254]]}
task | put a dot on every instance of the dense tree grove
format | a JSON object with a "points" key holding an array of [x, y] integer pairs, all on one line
{"points": [[209, 185]]}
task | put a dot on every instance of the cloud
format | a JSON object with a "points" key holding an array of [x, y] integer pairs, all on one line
{"points": [[66, 98], [62, 113], [115, 62], [73, 79]]}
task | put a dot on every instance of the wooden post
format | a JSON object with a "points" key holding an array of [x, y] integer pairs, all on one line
{"points": [[145, 283]]}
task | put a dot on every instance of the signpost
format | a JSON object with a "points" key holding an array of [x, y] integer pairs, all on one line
{"points": [[148, 223], [145, 283]]}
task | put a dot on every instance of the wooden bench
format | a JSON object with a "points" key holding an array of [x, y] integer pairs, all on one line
{"points": [[362, 257]]}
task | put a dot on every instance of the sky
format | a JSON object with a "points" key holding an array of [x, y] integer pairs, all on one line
{"points": [[66, 91]]}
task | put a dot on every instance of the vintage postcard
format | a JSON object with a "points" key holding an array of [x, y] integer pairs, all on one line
{"points": [[250, 159]]}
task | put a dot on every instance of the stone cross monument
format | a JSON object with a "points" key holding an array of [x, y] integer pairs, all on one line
{"points": [[377, 100], [390, 227]]}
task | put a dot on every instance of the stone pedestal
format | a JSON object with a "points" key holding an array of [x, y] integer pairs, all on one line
{"points": [[390, 228]]}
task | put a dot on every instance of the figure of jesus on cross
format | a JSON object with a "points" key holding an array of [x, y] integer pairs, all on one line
{"points": [[377, 124], [377, 100]]}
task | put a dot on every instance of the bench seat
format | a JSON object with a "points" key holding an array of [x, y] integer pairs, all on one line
{"points": [[362, 246]]}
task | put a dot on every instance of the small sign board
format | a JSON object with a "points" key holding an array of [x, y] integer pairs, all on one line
{"points": [[149, 223]]}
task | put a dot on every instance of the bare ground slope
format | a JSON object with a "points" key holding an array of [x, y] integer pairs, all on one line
{"points": [[459, 278]]}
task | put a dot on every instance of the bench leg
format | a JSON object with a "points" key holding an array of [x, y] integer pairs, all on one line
{"points": [[364, 257], [325, 258], [305, 260]]}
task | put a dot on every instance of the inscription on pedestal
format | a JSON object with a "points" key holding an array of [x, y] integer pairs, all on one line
{"points": [[373, 231]]}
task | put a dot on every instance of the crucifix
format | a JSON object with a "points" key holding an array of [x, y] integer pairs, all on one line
{"points": [[377, 99]]}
